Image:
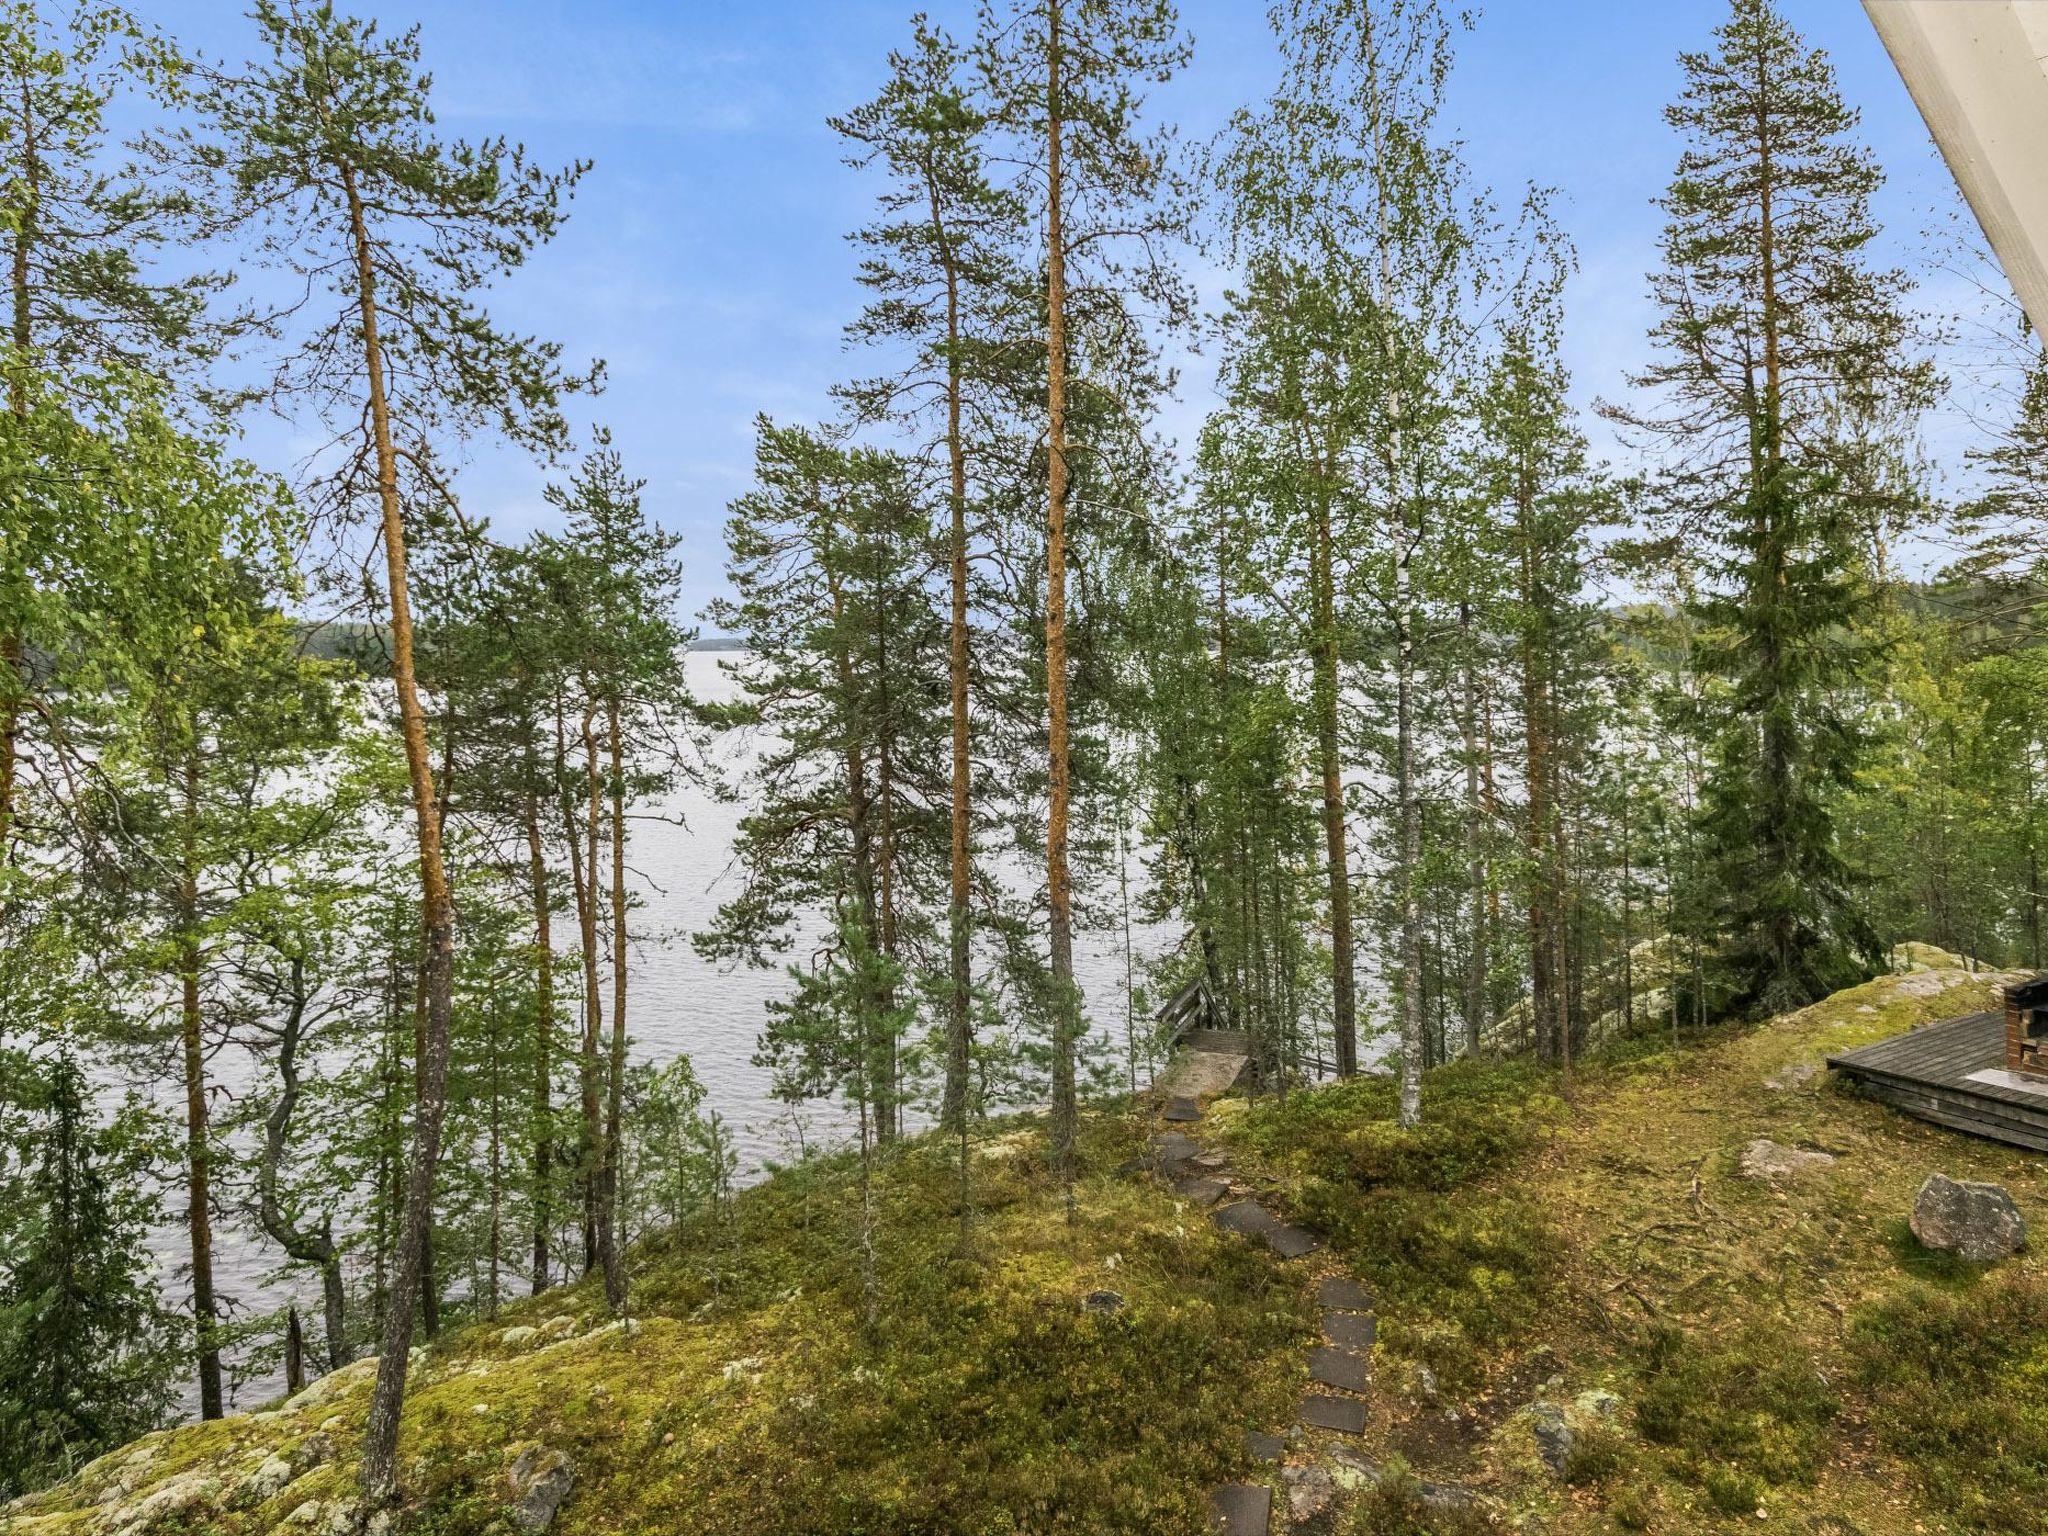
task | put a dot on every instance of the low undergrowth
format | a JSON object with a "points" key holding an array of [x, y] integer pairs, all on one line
{"points": [[1958, 1384], [1464, 1260], [1723, 1348], [764, 1392]]}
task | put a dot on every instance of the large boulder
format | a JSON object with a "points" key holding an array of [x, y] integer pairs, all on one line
{"points": [[1978, 1222]]}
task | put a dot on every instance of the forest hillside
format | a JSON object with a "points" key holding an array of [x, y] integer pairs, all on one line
{"points": [[1592, 1309]]}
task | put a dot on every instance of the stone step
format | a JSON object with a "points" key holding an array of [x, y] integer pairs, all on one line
{"points": [[1241, 1509], [1223, 1042], [1182, 1110], [1341, 1293], [1292, 1242], [1246, 1216], [1350, 1330], [1345, 1415], [1204, 1192], [1340, 1368], [1264, 1447]]}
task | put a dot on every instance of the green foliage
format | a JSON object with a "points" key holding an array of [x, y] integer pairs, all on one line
{"points": [[1398, 1504], [86, 1351], [1959, 1377], [1736, 1409], [1459, 1262]]}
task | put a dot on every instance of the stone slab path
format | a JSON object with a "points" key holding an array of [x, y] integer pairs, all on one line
{"points": [[1241, 1509], [1339, 1368]]}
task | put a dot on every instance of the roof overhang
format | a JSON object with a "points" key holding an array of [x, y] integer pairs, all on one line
{"points": [[1978, 69]]}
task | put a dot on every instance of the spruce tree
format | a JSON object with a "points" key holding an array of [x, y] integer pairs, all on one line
{"points": [[1778, 326], [86, 1357]]}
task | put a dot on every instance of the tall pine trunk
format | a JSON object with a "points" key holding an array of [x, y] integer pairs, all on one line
{"points": [[1343, 966], [1475, 846], [614, 1260], [953, 1107], [380, 1435], [1409, 811]]}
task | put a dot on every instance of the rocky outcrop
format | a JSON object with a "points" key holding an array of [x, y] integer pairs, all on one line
{"points": [[541, 1481], [1772, 1161], [1978, 1222]]}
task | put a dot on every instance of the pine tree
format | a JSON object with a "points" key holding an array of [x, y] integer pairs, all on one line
{"points": [[622, 577], [1777, 327], [830, 557], [947, 285], [1532, 473], [326, 147], [1066, 84]]}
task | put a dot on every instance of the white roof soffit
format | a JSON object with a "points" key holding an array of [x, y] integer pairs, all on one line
{"points": [[1978, 70]]}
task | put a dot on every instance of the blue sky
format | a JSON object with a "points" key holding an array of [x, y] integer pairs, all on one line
{"points": [[706, 258]]}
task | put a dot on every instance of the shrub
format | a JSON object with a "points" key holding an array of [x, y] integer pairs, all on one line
{"points": [[1397, 1505], [1739, 1407], [1959, 1386]]}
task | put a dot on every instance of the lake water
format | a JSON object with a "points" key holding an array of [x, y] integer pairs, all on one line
{"points": [[681, 858]]}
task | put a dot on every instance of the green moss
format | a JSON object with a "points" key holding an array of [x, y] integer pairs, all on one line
{"points": [[758, 1396], [1743, 1405], [1460, 1264], [1959, 1386]]}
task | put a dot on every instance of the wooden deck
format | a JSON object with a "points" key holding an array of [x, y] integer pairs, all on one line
{"points": [[1953, 1074]]}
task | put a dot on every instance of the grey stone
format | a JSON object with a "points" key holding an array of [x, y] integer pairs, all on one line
{"points": [[1172, 1148], [1310, 1488], [166, 1503], [1292, 1242], [1597, 1403], [267, 1481], [541, 1480], [1796, 1076], [1346, 1415], [1352, 1330], [1264, 1447], [1341, 1293], [1339, 1368], [1444, 1497], [1202, 1191], [1103, 1301], [1978, 1222], [1765, 1159], [1241, 1509], [1209, 1162], [1425, 1384], [1181, 1111], [1554, 1436], [1246, 1216]]}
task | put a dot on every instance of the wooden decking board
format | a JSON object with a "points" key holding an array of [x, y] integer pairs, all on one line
{"points": [[1926, 1073]]}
